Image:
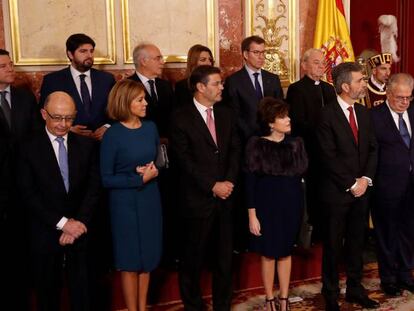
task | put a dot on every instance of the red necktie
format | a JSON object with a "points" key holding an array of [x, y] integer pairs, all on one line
{"points": [[210, 124], [352, 123]]}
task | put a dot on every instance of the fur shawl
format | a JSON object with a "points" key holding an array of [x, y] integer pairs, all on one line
{"points": [[285, 158]]}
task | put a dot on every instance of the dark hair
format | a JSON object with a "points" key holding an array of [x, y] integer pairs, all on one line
{"points": [[201, 74], [4, 52], [268, 110], [193, 56], [245, 45], [342, 73], [76, 40]]}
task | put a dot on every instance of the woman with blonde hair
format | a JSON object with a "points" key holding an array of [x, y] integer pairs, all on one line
{"points": [[128, 151]]}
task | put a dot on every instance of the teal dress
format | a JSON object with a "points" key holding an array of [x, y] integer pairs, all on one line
{"points": [[135, 207]]}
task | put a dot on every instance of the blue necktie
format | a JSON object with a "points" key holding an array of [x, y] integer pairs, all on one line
{"points": [[257, 86], [403, 130], [63, 162], [86, 97]]}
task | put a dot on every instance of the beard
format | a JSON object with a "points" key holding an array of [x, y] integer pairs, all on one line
{"points": [[83, 66]]}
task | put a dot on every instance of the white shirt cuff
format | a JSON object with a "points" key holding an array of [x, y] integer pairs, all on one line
{"points": [[61, 223], [107, 125]]}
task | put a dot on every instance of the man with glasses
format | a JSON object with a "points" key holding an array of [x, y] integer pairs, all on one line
{"points": [[159, 95], [246, 87], [206, 148], [19, 119], [60, 185], [392, 209]]}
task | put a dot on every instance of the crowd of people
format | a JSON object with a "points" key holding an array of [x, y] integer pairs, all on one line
{"points": [[81, 190]]}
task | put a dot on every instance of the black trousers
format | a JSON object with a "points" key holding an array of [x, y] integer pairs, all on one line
{"points": [[394, 231], [198, 235], [50, 269], [344, 237]]}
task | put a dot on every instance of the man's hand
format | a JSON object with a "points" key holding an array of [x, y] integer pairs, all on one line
{"points": [[99, 133], [81, 130], [66, 239], [74, 228], [223, 189], [360, 187]]}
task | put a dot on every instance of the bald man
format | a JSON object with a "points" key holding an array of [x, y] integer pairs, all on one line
{"points": [[59, 183]]}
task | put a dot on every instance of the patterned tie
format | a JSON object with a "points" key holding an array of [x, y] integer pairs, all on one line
{"points": [[403, 130], [152, 90], [86, 97], [257, 86], [63, 162], [352, 123], [5, 107], [210, 124]]}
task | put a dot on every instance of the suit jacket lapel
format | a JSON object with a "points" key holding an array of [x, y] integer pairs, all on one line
{"points": [[73, 161], [73, 90], [267, 84], [201, 125], [345, 123], [221, 124], [248, 83]]}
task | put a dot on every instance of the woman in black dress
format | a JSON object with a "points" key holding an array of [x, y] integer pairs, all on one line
{"points": [[197, 55], [274, 165]]}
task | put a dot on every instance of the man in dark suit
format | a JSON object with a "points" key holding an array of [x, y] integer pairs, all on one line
{"points": [[88, 87], [60, 185], [306, 98], [19, 118], [246, 87], [206, 147], [159, 95], [348, 151], [392, 211]]}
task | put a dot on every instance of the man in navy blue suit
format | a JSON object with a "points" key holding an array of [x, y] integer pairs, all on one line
{"points": [[88, 87], [392, 211]]}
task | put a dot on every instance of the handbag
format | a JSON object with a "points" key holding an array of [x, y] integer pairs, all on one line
{"points": [[161, 161]]}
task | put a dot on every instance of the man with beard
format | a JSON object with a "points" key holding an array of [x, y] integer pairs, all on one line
{"points": [[381, 71], [89, 89], [348, 152]]}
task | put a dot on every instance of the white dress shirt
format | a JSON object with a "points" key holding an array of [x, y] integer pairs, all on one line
{"points": [[203, 110], [251, 76], [395, 117], [75, 75]]}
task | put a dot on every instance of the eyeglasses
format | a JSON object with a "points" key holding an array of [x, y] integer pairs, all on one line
{"points": [[217, 83], [60, 118], [257, 52], [401, 99]]}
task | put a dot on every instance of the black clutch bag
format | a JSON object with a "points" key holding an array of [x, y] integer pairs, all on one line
{"points": [[161, 160]]}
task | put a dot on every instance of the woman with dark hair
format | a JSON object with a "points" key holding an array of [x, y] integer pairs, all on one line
{"points": [[274, 165], [197, 55], [128, 151]]}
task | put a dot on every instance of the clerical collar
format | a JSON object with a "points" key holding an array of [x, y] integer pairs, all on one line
{"points": [[315, 82]]}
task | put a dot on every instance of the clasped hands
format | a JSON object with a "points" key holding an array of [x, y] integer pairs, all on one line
{"points": [[148, 171], [71, 231], [360, 187], [223, 189], [83, 130]]}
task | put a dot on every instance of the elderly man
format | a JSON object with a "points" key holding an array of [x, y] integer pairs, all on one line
{"points": [[60, 186], [206, 147], [392, 211], [88, 87], [376, 88], [159, 95], [348, 151], [306, 98]]}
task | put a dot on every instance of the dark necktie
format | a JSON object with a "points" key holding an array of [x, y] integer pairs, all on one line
{"points": [[5, 107], [152, 90], [63, 162], [257, 86], [403, 130], [352, 123], [86, 97]]}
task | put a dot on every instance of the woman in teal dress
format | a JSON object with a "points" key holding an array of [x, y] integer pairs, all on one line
{"points": [[128, 152]]}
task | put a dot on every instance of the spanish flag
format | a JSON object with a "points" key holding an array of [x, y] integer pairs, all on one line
{"points": [[332, 35]]}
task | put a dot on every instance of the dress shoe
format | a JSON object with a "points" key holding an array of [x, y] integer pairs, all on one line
{"points": [[391, 289], [406, 285], [331, 304], [364, 301]]}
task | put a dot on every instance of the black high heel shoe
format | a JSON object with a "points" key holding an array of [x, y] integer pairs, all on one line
{"points": [[287, 305], [272, 304]]}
